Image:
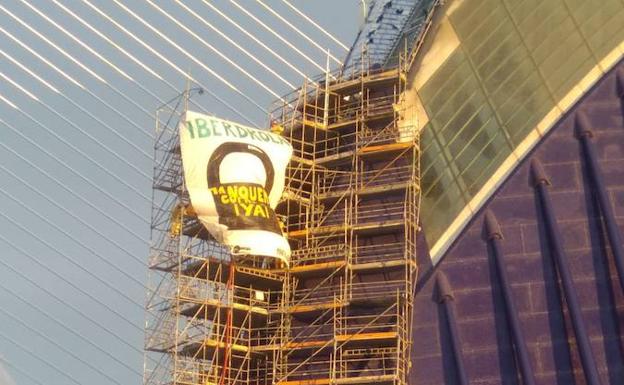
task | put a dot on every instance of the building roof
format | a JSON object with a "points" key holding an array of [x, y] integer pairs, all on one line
{"points": [[528, 254], [390, 24], [490, 80]]}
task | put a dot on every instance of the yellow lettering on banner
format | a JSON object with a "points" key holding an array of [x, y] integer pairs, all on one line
{"points": [[248, 208], [245, 200], [259, 212], [243, 193], [232, 192]]}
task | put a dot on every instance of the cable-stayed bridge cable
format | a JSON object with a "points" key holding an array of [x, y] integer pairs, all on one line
{"points": [[17, 369], [75, 61], [75, 104], [74, 171], [58, 345], [71, 284], [68, 329], [235, 44], [48, 63], [118, 47], [42, 58], [69, 236], [108, 40], [187, 54], [77, 40], [309, 19], [71, 214], [213, 49], [38, 358], [71, 192], [288, 23], [272, 31], [94, 52], [32, 96], [167, 61], [69, 305], [254, 38]]}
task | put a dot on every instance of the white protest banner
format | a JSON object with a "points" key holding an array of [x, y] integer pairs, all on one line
{"points": [[235, 176]]}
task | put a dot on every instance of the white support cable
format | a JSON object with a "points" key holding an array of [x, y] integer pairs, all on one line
{"points": [[69, 236], [10, 103], [38, 358], [58, 345], [42, 58], [190, 56], [62, 163], [75, 104], [68, 329], [74, 60], [71, 284], [288, 23], [101, 58], [75, 82], [52, 44], [213, 49], [73, 193], [108, 40], [235, 44], [120, 49], [255, 39], [265, 26], [71, 214], [168, 62], [96, 54], [60, 138], [23, 252], [64, 302], [77, 40], [17, 369], [309, 19], [68, 282]]}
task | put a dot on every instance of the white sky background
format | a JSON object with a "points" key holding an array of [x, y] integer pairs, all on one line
{"points": [[24, 211]]}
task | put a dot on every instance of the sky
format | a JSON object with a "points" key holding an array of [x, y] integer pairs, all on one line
{"points": [[75, 157]]}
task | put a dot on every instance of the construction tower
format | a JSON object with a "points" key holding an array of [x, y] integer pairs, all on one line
{"points": [[350, 209], [341, 312]]}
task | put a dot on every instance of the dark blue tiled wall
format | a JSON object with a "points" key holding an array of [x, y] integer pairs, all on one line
{"points": [[544, 318]]}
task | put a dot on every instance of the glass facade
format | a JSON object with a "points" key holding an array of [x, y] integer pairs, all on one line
{"points": [[514, 65]]}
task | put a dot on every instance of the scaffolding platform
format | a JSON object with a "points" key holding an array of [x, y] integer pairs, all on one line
{"points": [[347, 298], [340, 312], [208, 268]]}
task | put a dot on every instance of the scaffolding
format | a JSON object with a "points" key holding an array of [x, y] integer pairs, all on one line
{"points": [[207, 314], [351, 215], [341, 312]]}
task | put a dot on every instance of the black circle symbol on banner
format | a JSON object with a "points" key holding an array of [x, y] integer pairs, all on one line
{"points": [[238, 212], [214, 163]]}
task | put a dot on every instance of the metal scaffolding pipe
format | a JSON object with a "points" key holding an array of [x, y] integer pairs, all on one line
{"points": [[494, 236], [446, 299], [584, 134], [541, 183]]}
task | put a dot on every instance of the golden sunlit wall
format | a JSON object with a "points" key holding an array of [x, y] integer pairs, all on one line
{"points": [[492, 77]]}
